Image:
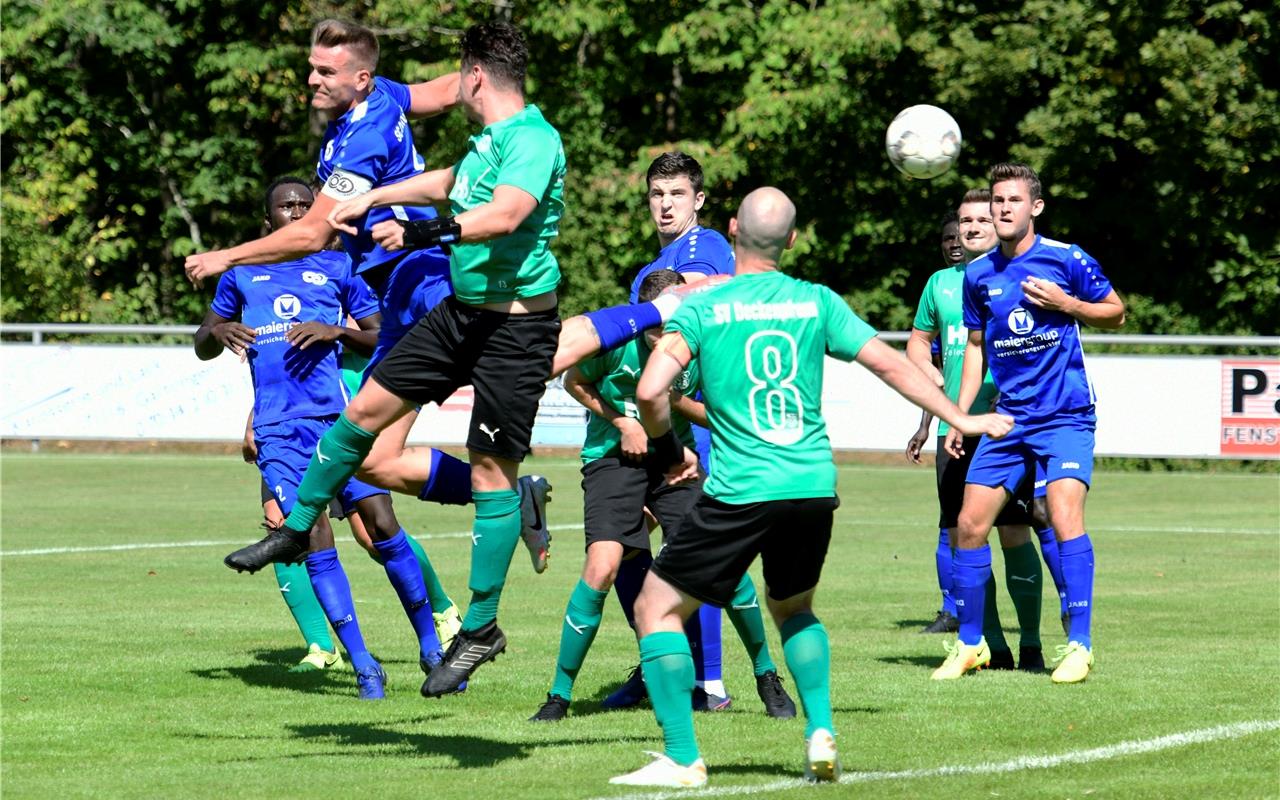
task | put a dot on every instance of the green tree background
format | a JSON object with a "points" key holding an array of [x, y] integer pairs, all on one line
{"points": [[134, 133]]}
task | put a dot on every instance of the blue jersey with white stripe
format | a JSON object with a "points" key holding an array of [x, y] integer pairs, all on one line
{"points": [[372, 143], [1034, 355], [289, 383], [701, 250]]}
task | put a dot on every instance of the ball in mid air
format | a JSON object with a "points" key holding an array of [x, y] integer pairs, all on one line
{"points": [[923, 141]]}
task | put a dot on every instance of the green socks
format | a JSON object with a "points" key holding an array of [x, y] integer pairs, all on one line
{"points": [[808, 655], [668, 672], [493, 539], [581, 621], [991, 630], [744, 613], [295, 588], [338, 454], [440, 600], [1024, 578]]}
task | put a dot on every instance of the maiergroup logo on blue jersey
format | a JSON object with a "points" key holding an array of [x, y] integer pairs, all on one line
{"points": [[315, 278], [287, 306], [1020, 321]]}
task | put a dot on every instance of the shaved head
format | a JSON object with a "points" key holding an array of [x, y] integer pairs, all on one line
{"points": [[765, 222]]}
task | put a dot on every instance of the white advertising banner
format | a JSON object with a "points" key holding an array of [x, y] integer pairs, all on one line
{"points": [[1155, 406]]}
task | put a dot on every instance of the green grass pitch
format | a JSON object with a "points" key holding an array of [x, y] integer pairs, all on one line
{"points": [[157, 672]]}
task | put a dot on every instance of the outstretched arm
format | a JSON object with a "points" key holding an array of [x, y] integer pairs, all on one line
{"points": [[903, 377], [308, 235], [433, 97]]}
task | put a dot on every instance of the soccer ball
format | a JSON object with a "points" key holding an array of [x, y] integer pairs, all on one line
{"points": [[922, 141]]}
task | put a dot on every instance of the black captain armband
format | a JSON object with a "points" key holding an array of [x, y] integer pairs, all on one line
{"points": [[420, 234], [668, 449]]}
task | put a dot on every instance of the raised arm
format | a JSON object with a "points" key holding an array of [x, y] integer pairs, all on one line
{"points": [[311, 234], [433, 97], [429, 188]]}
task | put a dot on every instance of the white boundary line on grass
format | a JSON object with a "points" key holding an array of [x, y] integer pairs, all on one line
{"points": [[111, 548], [1130, 748]]}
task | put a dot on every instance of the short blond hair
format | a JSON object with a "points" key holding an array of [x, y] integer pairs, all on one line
{"points": [[361, 41]]}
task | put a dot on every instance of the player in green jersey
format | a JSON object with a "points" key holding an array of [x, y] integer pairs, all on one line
{"points": [[498, 333], [620, 480], [759, 341]]}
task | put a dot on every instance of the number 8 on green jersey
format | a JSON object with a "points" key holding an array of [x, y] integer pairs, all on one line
{"points": [[760, 341]]}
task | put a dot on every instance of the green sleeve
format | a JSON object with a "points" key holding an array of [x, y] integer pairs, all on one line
{"points": [[593, 369], [927, 312], [845, 331], [529, 157], [687, 382], [688, 324]]}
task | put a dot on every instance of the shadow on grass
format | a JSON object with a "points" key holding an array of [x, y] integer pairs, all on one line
{"points": [[914, 624], [271, 670], [930, 662], [466, 750]]}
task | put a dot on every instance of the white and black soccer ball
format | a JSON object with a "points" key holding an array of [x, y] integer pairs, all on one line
{"points": [[923, 141]]}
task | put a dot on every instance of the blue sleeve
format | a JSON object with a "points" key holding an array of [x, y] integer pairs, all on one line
{"points": [[1085, 276], [712, 256], [358, 299], [227, 300], [972, 303], [397, 92]]}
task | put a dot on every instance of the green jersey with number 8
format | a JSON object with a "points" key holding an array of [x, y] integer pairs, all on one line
{"points": [[760, 341]]}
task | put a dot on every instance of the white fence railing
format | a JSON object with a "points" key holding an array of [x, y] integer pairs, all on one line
{"points": [[1190, 406], [38, 330]]}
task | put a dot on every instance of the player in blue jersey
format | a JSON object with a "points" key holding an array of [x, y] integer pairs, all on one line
{"points": [[289, 321], [1023, 305], [368, 144], [940, 319], [675, 195]]}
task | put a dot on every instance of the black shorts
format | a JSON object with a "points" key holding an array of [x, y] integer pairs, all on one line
{"points": [[615, 493], [711, 549], [951, 474], [505, 357]]}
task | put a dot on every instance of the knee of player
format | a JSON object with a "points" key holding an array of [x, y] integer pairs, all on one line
{"points": [[600, 575], [379, 518], [1040, 513]]}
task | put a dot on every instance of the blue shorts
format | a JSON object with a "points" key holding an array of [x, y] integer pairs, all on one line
{"points": [[1046, 451], [284, 450], [415, 285]]}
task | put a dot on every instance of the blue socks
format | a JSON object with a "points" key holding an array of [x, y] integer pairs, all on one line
{"points": [[942, 560], [617, 325], [703, 630], [970, 571], [627, 585], [1077, 571], [1053, 562], [449, 481], [405, 575], [334, 593]]}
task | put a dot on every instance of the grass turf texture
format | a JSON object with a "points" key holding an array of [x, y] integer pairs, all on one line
{"points": [[159, 672]]}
